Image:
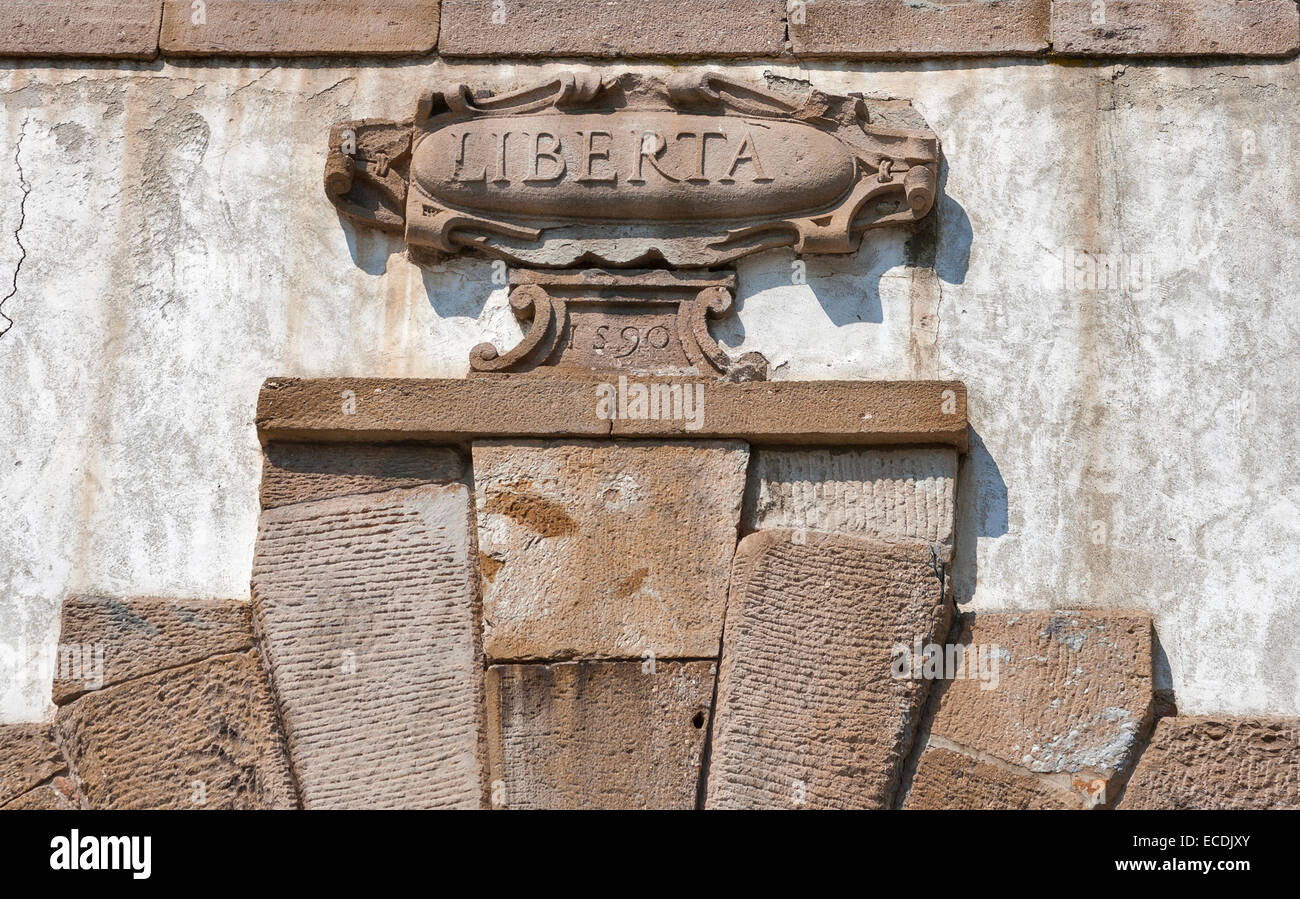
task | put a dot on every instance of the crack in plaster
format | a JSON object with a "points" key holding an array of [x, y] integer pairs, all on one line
{"points": [[26, 188]]}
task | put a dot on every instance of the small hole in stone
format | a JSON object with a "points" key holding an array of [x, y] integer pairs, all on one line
{"points": [[698, 720]]}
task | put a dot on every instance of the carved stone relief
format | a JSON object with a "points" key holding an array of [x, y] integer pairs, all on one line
{"points": [[637, 323], [633, 171], [629, 171]]}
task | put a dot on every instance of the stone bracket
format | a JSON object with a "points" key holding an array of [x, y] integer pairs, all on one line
{"points": [[646, 323]]}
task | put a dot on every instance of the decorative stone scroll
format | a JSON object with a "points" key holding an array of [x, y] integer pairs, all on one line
{"points": [[639, 323], [634, 171]]}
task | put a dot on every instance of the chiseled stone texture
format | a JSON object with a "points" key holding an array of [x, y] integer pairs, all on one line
{"points": [[907, 28], [300, 27], [366, 605], [57, 795], [858, 492], [1219, 763], [121, 29], [618, 28], [29, 756], [1061, 698], [1175, 28], [952, 780], [809, 713], [606, 549], [106, 640], [202, 735], [598, 735], [301, 472]]}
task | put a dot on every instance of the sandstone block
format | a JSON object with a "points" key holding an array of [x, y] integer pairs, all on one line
{"points": [[120, 29], [1175, 28], [1222, 762], [301, 472], [1048, 709], [1072, 692], [855, 492], [598, 735], [617, 28], [200, 736], [839, 413], [58, 795], [367, 610], [952, 780], [907, 28], [300, 27], [29, 756], [606, 549], [106, 640], [809, 711]]}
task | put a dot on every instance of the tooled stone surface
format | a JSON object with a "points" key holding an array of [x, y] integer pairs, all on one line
{"points": [[57, 795], [809, 713], [202, 735], [29, 756], [619, 28], [122, 29], [302, 472], [1063, 698], [951, 780], [1176, 28], [107, 640], [367, 609], [898, 28], [587, 735], [1223, 762], [299, 27], [879, 413], [861, 492], [630, 170], [606, 549]]}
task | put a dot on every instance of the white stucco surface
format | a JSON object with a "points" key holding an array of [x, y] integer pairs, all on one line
{"points": [[1135, 445]]}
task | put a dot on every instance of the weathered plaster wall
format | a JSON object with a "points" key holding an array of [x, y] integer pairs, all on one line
{"points": [[1134, 444]]}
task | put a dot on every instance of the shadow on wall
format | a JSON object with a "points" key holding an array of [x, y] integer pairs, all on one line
{"points": [[847, 287], [981, 512], [942, 240]]}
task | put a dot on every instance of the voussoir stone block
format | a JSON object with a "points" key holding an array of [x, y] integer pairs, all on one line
{"points": [[1063, 698], [299, 27], [119, 29], [609, 549], [809, 711], [367, 609], [1219, 762], [598, 735], [672, 28], [203, 735], [857, 492], [918, 28], [29, 756], [1175, 28], [107, 640]]}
